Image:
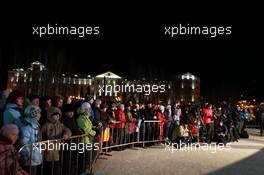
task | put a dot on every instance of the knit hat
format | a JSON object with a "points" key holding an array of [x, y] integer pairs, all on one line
{"points": [[9, 129], [121, 106], [85, 106], [32, 110]]}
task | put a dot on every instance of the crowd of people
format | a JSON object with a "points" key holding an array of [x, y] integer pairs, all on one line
{"points": [[27, 120]]}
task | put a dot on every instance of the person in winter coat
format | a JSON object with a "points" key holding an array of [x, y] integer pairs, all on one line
{"points": [[8, 156], [46, 103], [29, 135], [90, 100], [84, 121], [69, 121], [149, 114], [168, 116], [85, 124], [34, 99], [136, 115], [121, 117], [111, 111], [53, 129], [13, 109], [176, 114], [208, 121], [162, 120], [130, 124]]}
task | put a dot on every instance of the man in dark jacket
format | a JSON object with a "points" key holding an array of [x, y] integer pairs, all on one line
{"points": [[149, 114], [69, 120]]}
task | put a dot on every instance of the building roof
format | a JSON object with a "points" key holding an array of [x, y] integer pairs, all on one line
{"points": [[108, 74], [187, 76]]}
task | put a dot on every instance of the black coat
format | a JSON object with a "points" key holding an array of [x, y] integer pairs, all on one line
{"points": [[72, 125]]}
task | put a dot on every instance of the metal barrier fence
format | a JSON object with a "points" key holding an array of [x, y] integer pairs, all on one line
{"points": [[75, 156]]}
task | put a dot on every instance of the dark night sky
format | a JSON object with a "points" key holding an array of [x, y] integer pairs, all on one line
{"points": [[132, 39]]}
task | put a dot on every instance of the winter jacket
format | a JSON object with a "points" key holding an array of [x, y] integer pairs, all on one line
{"points": [[84, 122], [99, 117], [161, 118], [72, 125], [149, 114], [29, 135], [120, 116], [130, 123], [53, 130], [8, 161], [12, 115], [112, 118], [207, 116]]}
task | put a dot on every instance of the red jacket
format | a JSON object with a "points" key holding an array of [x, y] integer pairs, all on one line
{"points": [[207, 116], [161, 118], [120, 116]]}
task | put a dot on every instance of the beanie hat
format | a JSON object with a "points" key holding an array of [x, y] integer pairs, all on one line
{"points": [[9, 129], [32, 110], [85, 106], [121, 106]]}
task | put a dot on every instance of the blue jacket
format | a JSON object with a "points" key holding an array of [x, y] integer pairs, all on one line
{"points": [[30, 134], [11, 115]]}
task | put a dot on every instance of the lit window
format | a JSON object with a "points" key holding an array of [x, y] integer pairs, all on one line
{"points": [[192, 85]]}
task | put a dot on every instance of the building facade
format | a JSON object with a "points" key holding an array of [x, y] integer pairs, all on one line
{"points": [[38, 79]]}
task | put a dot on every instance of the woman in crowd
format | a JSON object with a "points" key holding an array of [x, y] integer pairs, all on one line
{"points": [[14, 108], [53, 129], [161, 118], [30, 158], [85, 124], [208, 121], [8, 156], [121, 117]]}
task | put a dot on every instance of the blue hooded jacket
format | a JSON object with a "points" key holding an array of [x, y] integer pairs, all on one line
{"points": [[12, 115], [29, 135]]}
